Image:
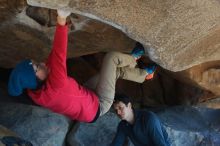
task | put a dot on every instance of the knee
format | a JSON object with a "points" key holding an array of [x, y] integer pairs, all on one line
{"points": [[112, 56]]}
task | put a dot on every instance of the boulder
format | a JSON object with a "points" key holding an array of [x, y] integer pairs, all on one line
{"points": [[38, 125], [7, 137], [192, 126], [179, 34], [99, 133]]}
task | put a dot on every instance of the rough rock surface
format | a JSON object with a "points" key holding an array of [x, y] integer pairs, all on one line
{"points": [[192, 126], [213, 103], [186, 126], [206, 75], [99, 133], [39, 126], [181, 34], [29, 34]]}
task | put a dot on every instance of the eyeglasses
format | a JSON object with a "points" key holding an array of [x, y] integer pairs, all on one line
{"points": [[36, 67]]}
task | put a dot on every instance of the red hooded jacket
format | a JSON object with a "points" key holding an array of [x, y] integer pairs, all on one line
{"points": [[60, 93]]}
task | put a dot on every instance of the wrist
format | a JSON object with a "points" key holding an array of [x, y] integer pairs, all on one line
{"points": [[61, 20]]}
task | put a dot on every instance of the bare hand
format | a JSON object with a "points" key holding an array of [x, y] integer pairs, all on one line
{"points": [[62, 15]]}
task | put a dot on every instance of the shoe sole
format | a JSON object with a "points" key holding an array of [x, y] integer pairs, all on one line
{"points": [[150, 76]]}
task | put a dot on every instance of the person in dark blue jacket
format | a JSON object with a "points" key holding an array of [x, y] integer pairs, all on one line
{"points": [[143, 128]]}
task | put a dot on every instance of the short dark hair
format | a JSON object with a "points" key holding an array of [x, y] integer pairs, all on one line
{"points": [[123, 98]]}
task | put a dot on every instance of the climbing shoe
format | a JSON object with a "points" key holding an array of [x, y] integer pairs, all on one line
{"points": [[138, 51], [150, 69]]}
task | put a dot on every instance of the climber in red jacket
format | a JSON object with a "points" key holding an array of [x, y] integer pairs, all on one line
{"points": [[62, 94]]}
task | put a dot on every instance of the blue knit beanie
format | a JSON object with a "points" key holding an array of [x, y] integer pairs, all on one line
{"points": [[23, 76]]}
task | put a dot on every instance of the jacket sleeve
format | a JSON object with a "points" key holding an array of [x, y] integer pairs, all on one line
{"points": [[56, 62], [156, 132], [120, 136]]}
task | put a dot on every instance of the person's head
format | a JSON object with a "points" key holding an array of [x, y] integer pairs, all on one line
{"points": [[41, 70], [123, 106], [26, 75]]}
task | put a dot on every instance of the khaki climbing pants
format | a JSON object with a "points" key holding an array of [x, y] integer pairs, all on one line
{"points": [[116, 65]]}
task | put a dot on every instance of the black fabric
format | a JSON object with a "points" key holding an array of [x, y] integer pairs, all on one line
{"points": [[96, 116]]}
